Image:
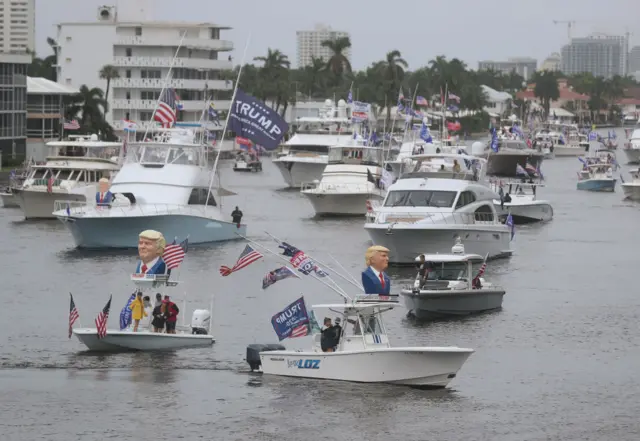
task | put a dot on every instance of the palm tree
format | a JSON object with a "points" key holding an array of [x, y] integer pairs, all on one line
{"points": [[90, 105], [338, 63], [274, 72], [45, 67], [313, 78], [392, 70], [546, 88], [108, 72]]}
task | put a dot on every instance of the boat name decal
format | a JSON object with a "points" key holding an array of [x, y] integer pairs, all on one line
{"points": [[304, 364]]}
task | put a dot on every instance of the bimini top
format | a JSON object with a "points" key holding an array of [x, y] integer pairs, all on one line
{"points": [[363, 302]]}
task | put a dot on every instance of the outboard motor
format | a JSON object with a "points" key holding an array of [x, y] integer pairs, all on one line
{"points": [[253, 353], [200, 321]]}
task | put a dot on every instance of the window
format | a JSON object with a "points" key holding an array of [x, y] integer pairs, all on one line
{"points": [[466, 198], [128, 51], [128, 95], [199, 197], [126, 116], [127, 74], [150, 95], [138, 31], [484, 213], [145, 116], [68, 60], [420, 198]]}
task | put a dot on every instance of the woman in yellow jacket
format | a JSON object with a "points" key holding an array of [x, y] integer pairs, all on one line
{"points": [[137, 311]]}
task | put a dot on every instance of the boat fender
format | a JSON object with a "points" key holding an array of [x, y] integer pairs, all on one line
{"points": [[253, 353]]}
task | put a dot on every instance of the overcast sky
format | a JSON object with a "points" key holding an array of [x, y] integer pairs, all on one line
{"points": [[471, 30]]}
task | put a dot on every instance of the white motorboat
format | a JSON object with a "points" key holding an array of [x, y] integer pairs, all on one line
{"points": [[632, 189], [632, 147], [346, 183], [519, 198], [72, 171], [363, 357], [8, 198], [447, 286], [307, 152], [425, 209], [565, 139], [511, 152], [197, 335], [164, 185], [247, 162], [597, 171]]}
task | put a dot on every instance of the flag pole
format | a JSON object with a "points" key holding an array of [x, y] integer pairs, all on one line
{"points": [[393, 125], [164, 85], [406, 127], [226, 122]]}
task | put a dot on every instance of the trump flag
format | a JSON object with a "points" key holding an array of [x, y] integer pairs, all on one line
{"points": [[252, 119]]}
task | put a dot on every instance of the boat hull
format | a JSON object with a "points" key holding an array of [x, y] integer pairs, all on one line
{"points": [[9, 200], [405, 244], [633, 155], [354, 204], [446, 303], [568, 151], [40, 204], [296, 173], [602, 185], [537, 211], [505, 164], [122, 232], [417, 367], [631, 191], [118, 341]]}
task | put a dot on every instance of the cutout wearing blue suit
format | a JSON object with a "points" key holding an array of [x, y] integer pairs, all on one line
{"points": [[158, 268], [107, 198], [372, 285]]}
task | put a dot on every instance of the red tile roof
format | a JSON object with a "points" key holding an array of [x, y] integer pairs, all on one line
{"points": [[565, 94]]}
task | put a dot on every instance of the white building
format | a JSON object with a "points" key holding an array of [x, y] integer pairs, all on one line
{"points": [[142, 52], [551, 63], [498, 103], [17, 29], [309, 44]]}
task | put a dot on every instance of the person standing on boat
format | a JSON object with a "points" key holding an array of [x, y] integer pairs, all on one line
{"points": [[236, 216], [104, 197], [159, 313], [137, 311], [171, 315], [374, 280], [150, 249], [145, 323]]}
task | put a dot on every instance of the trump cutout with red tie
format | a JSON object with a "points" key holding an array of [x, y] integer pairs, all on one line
{"points": [[374, 280]]}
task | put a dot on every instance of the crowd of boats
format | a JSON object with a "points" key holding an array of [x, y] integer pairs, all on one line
{"points": [[426, 197]]}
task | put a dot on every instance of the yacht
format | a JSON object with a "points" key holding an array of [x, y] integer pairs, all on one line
{"points": [[566, 140], [165, 185], [16, 179], [72, 171], [511, 152], [632, 189], [426, 208], [346, 184], [247, 162], [632, 147], [306, 154], [596, 176], [518, 198]]}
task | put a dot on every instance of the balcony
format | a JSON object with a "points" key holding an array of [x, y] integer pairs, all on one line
{"points": [[189, 106], [195, 43], [152, 83], [41, 108], [143, 125], [190, 63]]}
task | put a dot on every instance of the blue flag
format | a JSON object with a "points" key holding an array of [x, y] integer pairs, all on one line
{"points": [[277, 274], [292, 321], [125, 314], [252, 119], [511, 225]]}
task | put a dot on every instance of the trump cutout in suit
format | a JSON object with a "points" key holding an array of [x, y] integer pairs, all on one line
{"points": [[373, 285], [157, 267], [103, 196]]}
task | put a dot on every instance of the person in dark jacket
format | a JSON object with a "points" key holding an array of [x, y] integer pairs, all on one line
{"points": [[236, 216]]}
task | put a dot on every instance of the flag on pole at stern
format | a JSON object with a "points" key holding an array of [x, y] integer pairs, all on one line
{"points": [[248, 256], [73, 314], [251, 118], [102, 319], [174, 253], [292, 321]]}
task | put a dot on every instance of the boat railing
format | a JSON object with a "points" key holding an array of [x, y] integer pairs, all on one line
{"points": [[80, 208], [338, 188], [439, 218]]}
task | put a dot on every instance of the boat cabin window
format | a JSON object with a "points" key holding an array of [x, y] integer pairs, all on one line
{"points": [[308, 150], [484, 213], [371, 324], [465, 198], [182, 156], [420, 198], [448, 271], [64, 174], [199, 197], [154, 155], [39, 173]]}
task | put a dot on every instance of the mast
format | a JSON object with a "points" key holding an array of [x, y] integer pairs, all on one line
{"points": [[226, 122]]}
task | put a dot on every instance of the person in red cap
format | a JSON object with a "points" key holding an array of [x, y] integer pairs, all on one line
{"points": [[171, 315]]}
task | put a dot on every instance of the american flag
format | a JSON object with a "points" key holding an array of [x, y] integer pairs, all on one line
{"points": [[174, 254], [73, 315], [421, 101], [101, 320], [166, 111], [454, 97], [481, 270], [248, 256], [71, 125], [300, 331]]}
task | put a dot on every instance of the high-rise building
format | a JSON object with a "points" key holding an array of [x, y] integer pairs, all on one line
{"points": [[552, 62], [634, 60], [142, 52], [17, 29], [599, 54], [310, 44], [524, 67]]}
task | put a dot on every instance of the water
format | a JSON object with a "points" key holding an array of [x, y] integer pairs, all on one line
{"points": [[559, 362]]}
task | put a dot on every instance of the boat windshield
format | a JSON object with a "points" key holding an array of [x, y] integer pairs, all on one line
{"points": [[449, 271], [355, 155], [420, 198], [149, 154]]}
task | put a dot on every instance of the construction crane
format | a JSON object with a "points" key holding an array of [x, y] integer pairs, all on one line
{"points": [[569, 24]]}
